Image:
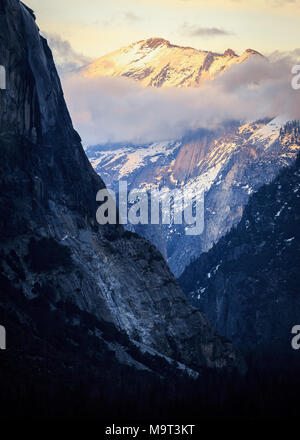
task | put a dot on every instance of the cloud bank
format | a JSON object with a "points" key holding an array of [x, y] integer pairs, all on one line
{"points": [[66, 58], [121, 110]]}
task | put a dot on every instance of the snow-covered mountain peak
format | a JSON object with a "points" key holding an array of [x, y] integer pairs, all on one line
{"points": [[155, 42], [158, 63]]}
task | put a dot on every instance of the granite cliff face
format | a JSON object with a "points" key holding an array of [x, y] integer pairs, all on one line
{"points": [[248, 283], [52, 249]]}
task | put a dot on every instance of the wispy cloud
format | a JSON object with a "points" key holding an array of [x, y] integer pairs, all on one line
{"points": [[131, 17], [281, 3], [121, 18], [230, 3], [199, 31], [66, 58], [292, 56]]}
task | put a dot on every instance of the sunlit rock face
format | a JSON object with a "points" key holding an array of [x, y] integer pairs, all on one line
{"points": [[158, 63], [52, 249]]}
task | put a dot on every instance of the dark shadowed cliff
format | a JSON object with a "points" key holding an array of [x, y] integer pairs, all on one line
{"points": [[54, 256]]}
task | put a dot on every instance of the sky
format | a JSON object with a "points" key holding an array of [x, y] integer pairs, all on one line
{"points": [[96, 27]]}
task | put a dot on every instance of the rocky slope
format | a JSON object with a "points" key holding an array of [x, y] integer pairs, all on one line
{"points": [[227, 164], [52, 250], [158, 63], [248, 283]]}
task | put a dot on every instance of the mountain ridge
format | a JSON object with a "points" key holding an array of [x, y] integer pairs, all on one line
{"points": [[156, 62]]}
